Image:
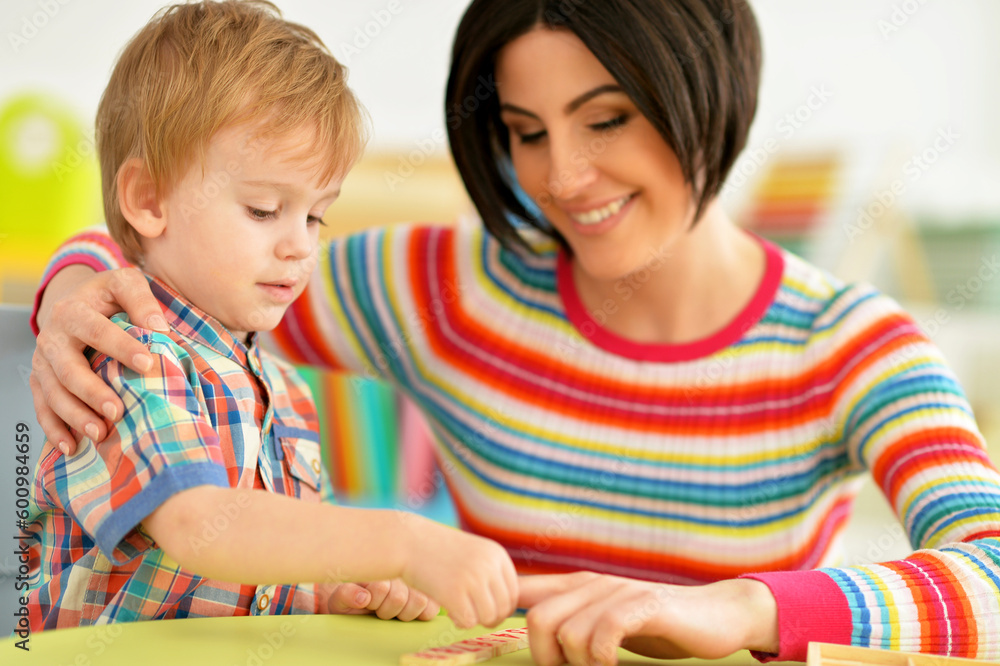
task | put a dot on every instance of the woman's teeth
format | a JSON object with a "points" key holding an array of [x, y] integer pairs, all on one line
{"points": [[598, 215]]}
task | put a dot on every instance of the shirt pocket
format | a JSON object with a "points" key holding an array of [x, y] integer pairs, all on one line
{"points": [[303, 461]]}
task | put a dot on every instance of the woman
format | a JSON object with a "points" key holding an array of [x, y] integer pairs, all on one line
{"points": [[620, 381]]}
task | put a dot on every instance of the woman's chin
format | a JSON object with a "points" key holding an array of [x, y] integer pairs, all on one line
{"points": [[611, 272]]}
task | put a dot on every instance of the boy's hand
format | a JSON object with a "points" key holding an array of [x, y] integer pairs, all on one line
{"points": [[387, 599], [472, 577], [72, 316]]}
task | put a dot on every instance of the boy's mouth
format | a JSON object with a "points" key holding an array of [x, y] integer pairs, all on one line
{"points": [[287, 282], [282, 290]]}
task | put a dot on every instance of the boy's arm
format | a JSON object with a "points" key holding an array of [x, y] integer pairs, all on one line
{"points": [[256, 545], [278, 539], [162, 469]]}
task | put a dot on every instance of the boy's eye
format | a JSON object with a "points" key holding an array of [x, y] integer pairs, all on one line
{"points": [[258, 214], [611, 124], [313, 219]]}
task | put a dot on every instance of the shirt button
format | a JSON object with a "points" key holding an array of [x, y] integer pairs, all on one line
{"points": [[263, 602], [317, 466]]}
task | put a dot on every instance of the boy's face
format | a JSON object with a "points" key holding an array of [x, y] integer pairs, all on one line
{"points": [[241, 235]]}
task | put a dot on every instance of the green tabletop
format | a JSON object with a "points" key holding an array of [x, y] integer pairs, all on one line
{"points": [[302, 640]]}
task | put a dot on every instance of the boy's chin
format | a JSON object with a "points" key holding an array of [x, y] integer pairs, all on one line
{"points": [[262, 322]]}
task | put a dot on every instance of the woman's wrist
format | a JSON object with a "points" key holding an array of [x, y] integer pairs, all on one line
{"points": [[59, 285]]}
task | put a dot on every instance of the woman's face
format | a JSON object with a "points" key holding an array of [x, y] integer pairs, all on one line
{"points": [[595, 166]]}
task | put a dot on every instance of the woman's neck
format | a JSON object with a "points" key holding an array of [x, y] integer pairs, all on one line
{"points": [[692, 287]]}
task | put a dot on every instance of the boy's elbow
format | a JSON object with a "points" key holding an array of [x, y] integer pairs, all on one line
{"points": [[175, 525]]}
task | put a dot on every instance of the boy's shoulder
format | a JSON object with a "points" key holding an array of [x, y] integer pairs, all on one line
{"points": [[156, 341], [159, 344]]}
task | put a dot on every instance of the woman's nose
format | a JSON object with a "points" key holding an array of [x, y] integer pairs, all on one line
{"points": [[571, 169]]}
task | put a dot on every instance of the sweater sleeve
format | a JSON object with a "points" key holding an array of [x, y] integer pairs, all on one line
{"points": [[366, 307], [906, 421], [362, 311], [93, 248]]}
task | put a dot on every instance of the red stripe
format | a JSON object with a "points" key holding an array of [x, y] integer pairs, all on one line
{"points": [[933, 610], [298, 331], [578, 315], [465, 326], [898, 464], [657, 566]]}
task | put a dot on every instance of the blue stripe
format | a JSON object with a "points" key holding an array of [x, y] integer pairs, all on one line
{"points": [[819, 478], [282, 430], [860, 614], [849, 309], [931, 521], [984, 567], [484, 251], [353, 249]]}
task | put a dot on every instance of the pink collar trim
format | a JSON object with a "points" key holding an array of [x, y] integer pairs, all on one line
{"points": [[688, 351]]}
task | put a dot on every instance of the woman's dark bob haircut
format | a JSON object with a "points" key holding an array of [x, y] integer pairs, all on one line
{"points": [[692, 67]]}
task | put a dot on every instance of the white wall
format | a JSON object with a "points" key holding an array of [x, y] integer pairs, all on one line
{"points": [[937, 70], [399, 73], [898, 72]]}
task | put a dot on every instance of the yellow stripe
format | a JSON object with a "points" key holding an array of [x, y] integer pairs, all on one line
{"points": [[890, 606], [541, 506]]}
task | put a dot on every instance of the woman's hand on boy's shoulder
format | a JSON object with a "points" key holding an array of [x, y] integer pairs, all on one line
{"points": [[73, 315], [388, 599]]}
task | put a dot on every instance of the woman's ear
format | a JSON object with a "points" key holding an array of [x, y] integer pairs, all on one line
{"points": [[138, 200]]}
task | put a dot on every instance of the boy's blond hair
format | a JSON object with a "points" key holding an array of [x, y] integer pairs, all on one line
{"points": [[197, 68]]}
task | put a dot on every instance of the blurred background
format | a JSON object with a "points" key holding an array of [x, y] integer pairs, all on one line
{"points": [[875, 153]]}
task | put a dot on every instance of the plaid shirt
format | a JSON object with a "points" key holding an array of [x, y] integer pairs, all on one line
{"points": [[211, 412]]}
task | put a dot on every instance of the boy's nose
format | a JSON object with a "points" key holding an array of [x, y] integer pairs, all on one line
{"points": [[296, 244]]}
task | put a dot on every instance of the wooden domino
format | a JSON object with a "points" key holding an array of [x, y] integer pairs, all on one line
{"points": [[827, 654], [469, 651]]}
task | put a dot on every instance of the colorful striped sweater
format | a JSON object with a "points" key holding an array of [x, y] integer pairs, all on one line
{"points": [[737, 454]]}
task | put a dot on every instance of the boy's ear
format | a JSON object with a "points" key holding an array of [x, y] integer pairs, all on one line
{"points": [[138, 200]]}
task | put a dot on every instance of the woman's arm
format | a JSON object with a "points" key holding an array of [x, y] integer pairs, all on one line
{"points": [[339, 322], [899, 414]]}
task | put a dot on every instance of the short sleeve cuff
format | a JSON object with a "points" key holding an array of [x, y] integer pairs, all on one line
{"points": [[811, 608], [113, 531]]}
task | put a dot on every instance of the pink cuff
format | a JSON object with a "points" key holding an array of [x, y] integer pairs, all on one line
{"points": [[811, 607]]}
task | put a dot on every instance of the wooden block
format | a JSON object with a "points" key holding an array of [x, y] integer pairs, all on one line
{"points": [[828, 654], [471, 650]]}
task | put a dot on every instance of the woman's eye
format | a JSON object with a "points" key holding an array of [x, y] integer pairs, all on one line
{"points": [[611, 124], [258, 214], [533, 137]]}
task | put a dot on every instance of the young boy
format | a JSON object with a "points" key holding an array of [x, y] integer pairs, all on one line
{"points": [[224, 135]]}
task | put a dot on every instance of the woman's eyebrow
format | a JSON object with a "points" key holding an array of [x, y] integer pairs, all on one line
{"points": [[587, 96], [573, 105]]}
